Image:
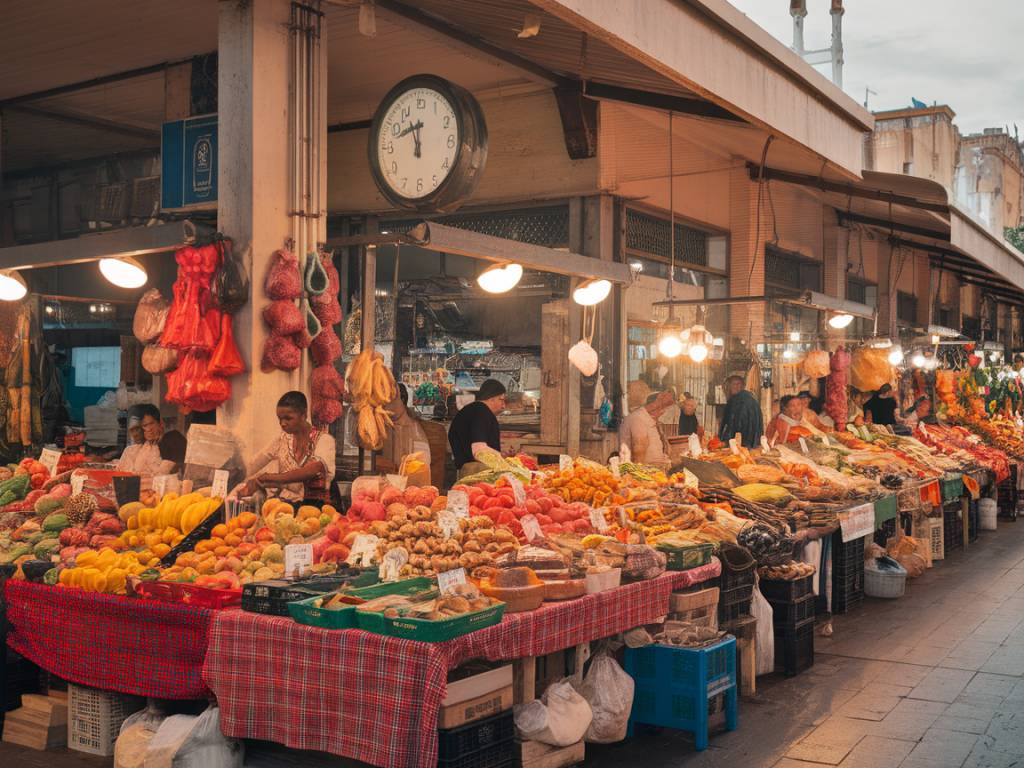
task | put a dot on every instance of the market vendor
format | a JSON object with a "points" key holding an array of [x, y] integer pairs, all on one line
{"points": [[304, 457], [855, 410], [475, 428], [412, 435], [688, 424], [788, 417], [810, 412], [918, 413], [161, 452], [881, 408], [639, 431], [742, 414]]}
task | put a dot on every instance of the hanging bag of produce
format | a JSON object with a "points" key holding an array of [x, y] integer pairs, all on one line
{"points": [[870, 368], [583, 356], [816, 364], [835, 387], [326, 347], [280, 353], [311, 328], [333, 285], [159, 360], [327, 382], [226, 359], [317, 280], [150, 316], [283, 279], [231, 282], [283, 317]]}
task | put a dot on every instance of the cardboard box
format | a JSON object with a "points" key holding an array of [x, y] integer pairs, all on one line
{"points": [[471, 710]]}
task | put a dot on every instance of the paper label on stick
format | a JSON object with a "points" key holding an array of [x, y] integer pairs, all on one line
{"points": [[531, 528], [614, 463], [857, 522], [448, 523], [518, 492], [298, 560], [50, 458], [824, 439], [364, 550], [764, 444], [448, 580], [694, 446], [564, 463], [220, 483], [803, 445], [160, 484], [391, 565], [458, 503], [398, 481], [598, 520], [623, 517], [77, 483]]}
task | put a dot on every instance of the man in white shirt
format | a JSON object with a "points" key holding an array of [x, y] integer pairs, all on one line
{"points": [[639, 433]]}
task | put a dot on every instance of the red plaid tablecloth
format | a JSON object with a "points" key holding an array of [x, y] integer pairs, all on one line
{"points": [[124, 644], [376, 698]]}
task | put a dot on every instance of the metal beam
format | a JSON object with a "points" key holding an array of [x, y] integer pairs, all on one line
{"points": [[851, 190], [892, 225], [442, 238], [712, 302], [697, 107], [355, 125], [87, 121], [129, 241]]}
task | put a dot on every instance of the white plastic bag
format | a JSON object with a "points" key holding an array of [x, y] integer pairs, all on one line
{"points": [[811, 554], [583, 356], [559, 718], [137, 731], [184, 741], [609, 692], [761, 610]]}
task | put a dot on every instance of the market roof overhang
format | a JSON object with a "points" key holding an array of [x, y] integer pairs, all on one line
{"points": [[917, 213], [699, 57]]}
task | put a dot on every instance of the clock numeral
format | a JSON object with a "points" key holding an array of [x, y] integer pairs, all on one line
{"points": [[395, 129], [433, 180], [404, 181], [435, 106], [446, 121], [406, 112], [446, 163], [451, 140], [390, 147], [421, 103], [394, 167], [419, 185]]}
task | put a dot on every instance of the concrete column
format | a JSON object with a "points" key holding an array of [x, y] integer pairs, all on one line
{"points": [[835, 252], [886, 291], [924, 288], [252, 169], [746, 256]]}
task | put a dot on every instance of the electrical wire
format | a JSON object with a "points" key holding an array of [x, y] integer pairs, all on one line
{"points": [[757, 216]]}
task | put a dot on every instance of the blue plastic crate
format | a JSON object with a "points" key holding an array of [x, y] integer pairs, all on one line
{"points": [[673, 686]]}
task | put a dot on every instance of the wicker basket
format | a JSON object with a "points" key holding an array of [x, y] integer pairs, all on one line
{"points": [[885, 584]]}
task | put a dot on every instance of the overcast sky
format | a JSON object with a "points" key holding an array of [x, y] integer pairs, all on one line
{"points": [[964, 53]]}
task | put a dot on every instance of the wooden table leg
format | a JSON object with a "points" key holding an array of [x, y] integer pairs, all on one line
{"points": [[524, 679]]}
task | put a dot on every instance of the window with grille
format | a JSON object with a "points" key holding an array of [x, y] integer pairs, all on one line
{"points": [[647, 234], [788, 274], [906, 307], [543, 225], [971, 327]]}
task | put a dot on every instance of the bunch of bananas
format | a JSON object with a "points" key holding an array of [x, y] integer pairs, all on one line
{"points": [[371, 387]]}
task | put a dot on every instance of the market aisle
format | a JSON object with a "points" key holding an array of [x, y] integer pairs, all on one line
{"points": [[932, 680]]}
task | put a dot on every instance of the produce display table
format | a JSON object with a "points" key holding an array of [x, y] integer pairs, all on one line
{"points": [[376, 698], [139, 647]]}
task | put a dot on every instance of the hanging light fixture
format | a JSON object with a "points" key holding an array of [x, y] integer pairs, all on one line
{"points": [[501, 278], [591, 292], [124, 272], [918, 360], [700, 342], [670, 345], [841, 320], [794, 335], [12, 286], [895, 356]]}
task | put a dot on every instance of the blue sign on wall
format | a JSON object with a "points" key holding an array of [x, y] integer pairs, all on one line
{"points": [[189, 162]]}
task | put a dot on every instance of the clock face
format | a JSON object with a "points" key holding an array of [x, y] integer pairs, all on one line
{"points": [[418, 142]]}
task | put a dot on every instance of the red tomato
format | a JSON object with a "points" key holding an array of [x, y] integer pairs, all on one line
{"points": [[545, 504], [545, 520], [533, 507]]}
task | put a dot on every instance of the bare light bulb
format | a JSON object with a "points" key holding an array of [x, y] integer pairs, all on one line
{"points": [[124, 272], [896, 356], [698, 353], [917, 360], [670, 345], [501, 278], [12, 286], [840, 321]]}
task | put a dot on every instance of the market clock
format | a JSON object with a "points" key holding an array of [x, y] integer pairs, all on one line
{"points": [[428, 144]]}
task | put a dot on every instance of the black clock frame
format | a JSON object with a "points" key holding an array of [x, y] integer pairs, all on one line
{"points": [[470, 156]]}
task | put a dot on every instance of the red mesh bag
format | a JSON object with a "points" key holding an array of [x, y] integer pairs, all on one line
{"points": [[283, 279], [226, 360], [181, 381], [283, 317], [326, 382], [333, 281], [325, 411], [328, 313], [188, 322], [280, 353], [210, 391], [326, 347]]}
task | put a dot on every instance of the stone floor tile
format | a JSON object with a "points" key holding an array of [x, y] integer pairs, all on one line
{"points": [[827, 754], [943, 749], [942, 685], [877, 752], [788, 762], [992, 685], [870, 704], [838, 731], [966, 718], [982, 757]]}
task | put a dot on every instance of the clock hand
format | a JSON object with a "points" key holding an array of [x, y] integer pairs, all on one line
{"points": [[412, 127], [416, 150]]}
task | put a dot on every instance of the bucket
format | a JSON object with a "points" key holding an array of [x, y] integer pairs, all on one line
{"points": [[987, 512]]}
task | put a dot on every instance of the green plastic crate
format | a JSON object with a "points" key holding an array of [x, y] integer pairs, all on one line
{"points": [[952, 487], [885, 509], [427, 631], [304, 612], [685, 558], [373, 621]]}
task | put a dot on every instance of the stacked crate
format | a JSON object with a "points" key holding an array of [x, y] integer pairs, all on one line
{"points": [[792, 604]]}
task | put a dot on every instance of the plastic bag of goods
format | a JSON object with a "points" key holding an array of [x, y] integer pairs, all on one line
{"points": [[870, 369], [230, 281], [560, 717], [283, 278], [183, 741], [609, 692], [150, 316], [836, 404], [816, 364], [583, 356], [226, 359], [137, 731], [761, 610]]}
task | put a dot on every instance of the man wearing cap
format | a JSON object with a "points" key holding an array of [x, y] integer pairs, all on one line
{"points": [[639, 431], [881, 408], [475, 430]]}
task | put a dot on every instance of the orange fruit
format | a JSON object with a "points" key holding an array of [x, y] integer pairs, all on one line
{"points": [[233, 539], [246, 519], [223, 550], [219, 531]]}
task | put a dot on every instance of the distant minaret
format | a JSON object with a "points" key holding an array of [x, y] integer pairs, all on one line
{"points": [[833, 54]]}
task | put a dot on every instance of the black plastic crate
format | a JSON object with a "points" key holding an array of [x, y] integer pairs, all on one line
{"points": [[847, 590], [787, 590], [504, 755], [734, 603], [193, 537], [847, 553], [786, 615], [737, 568], [973, 521], [455, 742], [953, 528], [794, 652]]}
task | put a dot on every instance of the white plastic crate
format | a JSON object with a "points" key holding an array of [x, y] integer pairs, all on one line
{"points": [[929, 530], [94, 719], [937, 538]]}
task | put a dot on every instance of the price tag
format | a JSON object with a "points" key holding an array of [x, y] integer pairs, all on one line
{"points": [[391, 565], [298, 560], [458, 503], [448, 523], [398, 481], [220, 483], [764, 444], [77, 482], [694, 446], [364, 550], [921, 427], [614, 463], [824, 439], [160, 484], [865, 433], [598, 520], [857, 522], [623, 517], [50, 458], [564, 463], [733, 447], [803, 445], [517, 488], [531, 528], [448, 580]]}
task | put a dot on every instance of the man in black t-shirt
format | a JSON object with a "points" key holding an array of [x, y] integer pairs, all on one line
{"points": [[881, 408], [475, 428]]}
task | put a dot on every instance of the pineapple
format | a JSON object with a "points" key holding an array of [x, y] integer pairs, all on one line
{"points": [[80, 508]]}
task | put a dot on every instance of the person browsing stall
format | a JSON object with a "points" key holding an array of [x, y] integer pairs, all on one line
{"points": [[640, 434], [160, 452], [688, 424], [742, 414], [303, 454], [881, 408], [474, 430], [411, 434]]}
